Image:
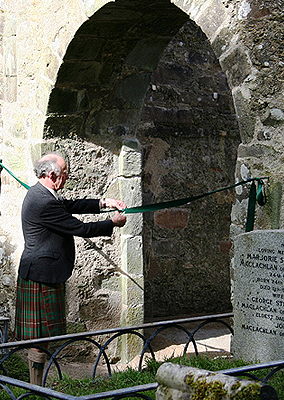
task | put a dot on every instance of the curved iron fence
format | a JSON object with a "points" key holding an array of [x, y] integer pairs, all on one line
{"points": [[138, 391], [114, 334]]}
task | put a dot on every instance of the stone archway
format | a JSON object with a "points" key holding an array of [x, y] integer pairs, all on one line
{"points": [[246, 37], [97, 101], [113, 88]]}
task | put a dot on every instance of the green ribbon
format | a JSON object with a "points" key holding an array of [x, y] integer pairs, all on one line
{"points": [[11, 173], [255, 196]]}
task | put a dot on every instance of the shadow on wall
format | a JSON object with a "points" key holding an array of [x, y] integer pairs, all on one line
{"points": [[107, 69]]}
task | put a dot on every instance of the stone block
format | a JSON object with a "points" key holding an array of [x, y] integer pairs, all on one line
{"points": [[274, 201], [80, 73], [246, 119], [275, 117], [84, 49], [237, 66], [256, 150], [51, 65], [211, 16], [132, 291], [130, 160], [171, 219], [132, 254], [181, 382], [10, 63], [221, 42], [42, 95], [67, 101], [131, 193], [10, 26], [146, 53], [131, 345], [134, 225]]}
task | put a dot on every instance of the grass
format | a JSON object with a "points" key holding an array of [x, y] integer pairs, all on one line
{"points": [[17, 368]]}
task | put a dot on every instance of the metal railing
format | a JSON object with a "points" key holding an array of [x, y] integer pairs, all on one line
{"points": [[136, 391], [115, 333], [48, 394]]}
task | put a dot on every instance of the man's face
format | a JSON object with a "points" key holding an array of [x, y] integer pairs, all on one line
{"points": [[62, 178]]}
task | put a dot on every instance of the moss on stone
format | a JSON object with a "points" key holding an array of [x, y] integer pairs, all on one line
{"points": [[250, 392], [236, 386], [216, 390], [208, 390], [189, 379]]}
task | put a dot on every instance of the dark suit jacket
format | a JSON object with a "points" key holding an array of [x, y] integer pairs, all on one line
{"points": [[48, 227]]}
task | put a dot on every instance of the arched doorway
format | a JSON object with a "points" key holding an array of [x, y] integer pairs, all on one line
{"points": [[145, 76]]}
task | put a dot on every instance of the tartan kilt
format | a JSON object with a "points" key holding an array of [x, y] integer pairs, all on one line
{"points": [[40, 310]]}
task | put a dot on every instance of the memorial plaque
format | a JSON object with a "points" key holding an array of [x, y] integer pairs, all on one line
{"points": [[258, 296]]}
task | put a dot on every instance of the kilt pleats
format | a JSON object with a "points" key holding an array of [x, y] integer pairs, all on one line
{"points": [[40, 310]]}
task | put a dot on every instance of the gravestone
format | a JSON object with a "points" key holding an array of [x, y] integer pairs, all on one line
{"points": [[258, 296]]}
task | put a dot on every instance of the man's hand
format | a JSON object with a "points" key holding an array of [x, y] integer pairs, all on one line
{"points": [[119, 219], [113, 203]]}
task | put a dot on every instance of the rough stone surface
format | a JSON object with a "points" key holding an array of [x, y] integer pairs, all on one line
{"points": [[7, 282], [258, 299], [189, 152], [90, 75], [181, 382]]}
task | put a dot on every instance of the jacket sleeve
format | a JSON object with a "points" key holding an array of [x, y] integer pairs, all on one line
{"points": [[82, 206], [57, 217]]}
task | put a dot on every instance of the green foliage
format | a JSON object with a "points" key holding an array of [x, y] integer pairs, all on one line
{"points": [[130, 377], [16, 368], [201, 362], [123, 379]]}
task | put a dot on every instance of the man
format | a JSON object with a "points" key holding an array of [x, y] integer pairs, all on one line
{"points": [[49, 254]]}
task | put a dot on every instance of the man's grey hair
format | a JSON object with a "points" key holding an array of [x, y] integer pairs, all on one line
{"points": [[46, 165]]}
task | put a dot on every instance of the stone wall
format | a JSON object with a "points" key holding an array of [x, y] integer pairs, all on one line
{"points": [[189, 129], [7, 283], [162, 93], [177, 89], [246, 37]]}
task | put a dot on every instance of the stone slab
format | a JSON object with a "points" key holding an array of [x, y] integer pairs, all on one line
{"points": [[176, 382], [258, 295]]}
